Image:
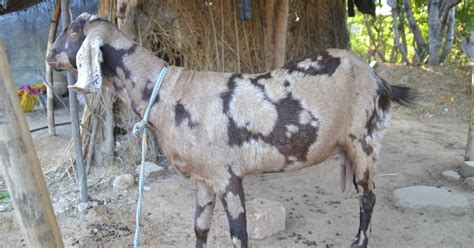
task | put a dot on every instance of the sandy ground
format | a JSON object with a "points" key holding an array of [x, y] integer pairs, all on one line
{"points": [[419, 145]]}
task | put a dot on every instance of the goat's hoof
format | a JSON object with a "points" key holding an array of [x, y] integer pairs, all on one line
{"points": [[357, 244]]}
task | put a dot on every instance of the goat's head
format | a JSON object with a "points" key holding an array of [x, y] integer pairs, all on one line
{"points": [[75, 49]]}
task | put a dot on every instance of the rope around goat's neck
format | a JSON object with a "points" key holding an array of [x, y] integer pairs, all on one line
{"points": [[137, 128]]}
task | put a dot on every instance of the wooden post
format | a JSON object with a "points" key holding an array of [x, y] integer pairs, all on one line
{"points": [[280, 33], [268, 26], [81, 171], [104, 155], [22, 168], [125, 15], [275, 26], [49, 73]]}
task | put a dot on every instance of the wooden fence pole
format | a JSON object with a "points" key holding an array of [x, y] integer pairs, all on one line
{"points": [[76, 136], [22, 168], [268, 34], [280, 33], [53, 27]]}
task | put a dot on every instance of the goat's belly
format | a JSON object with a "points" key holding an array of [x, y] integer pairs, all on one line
{"points": [[258, 156]]}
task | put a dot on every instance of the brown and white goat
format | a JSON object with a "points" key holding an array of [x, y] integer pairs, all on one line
{"points": [[216, 128]]}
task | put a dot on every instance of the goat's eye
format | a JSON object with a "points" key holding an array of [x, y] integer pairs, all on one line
{"points": [[73, 31]]}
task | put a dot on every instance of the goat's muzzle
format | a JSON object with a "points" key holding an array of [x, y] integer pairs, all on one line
{"points": [[81, 89], [59, 62]]}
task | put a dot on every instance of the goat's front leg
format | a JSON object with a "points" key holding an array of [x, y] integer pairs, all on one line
{"points": [[205, 202], [233, 200]]}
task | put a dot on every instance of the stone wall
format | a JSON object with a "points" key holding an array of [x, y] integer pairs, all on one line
{"points": [[25, 34]]}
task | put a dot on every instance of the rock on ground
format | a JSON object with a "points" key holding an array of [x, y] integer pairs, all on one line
{"points": [[152, 170], [124, 181], [451, 175], [264, 218], [83, 206], [430, 198], [467, 169], [469, 182]]}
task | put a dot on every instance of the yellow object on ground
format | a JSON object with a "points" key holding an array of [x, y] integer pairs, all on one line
{"points": [[29, 96]]}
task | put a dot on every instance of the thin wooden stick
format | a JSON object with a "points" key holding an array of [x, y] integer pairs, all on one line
{"points": [[249, 52], [268, 38], [236, 37], [222, 36], [215, 36], [53, 27], [22, 169], [76, 136], [92, 139]]}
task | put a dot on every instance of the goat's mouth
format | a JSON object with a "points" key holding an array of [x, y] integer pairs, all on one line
{"points": [[59, 62], [81, 90], [58, 66], [55, 67]]}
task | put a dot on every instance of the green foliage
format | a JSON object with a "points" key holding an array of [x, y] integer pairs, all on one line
{"points": [[4, 196], [382, 29], [464, 26]]}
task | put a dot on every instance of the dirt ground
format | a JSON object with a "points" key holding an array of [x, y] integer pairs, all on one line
{"points": [[420, 144]]}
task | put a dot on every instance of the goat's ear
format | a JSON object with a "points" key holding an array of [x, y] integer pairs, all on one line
{"points": [[94, 18], [88, 60]]}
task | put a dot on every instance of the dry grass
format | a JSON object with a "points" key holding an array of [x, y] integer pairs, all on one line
{"points": [[208, 35]]}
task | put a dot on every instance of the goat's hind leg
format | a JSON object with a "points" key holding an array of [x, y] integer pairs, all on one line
{"points": [[363, 161], [205, 202], [367, 203]]}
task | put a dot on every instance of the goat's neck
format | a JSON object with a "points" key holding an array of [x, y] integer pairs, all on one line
{"points": [[131, 73]]}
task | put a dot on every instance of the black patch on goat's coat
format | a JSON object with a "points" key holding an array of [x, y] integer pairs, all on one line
{"points": [[146, 91], [367, 148], [382, 101], [288, 110], [255, 80], [352, 137], [113, 59], [181, 114], [297, 145], [227, 96], [238, 136], [327, 65]]}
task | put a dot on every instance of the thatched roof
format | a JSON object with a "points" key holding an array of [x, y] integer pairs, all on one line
{"points": [[16, 5]]}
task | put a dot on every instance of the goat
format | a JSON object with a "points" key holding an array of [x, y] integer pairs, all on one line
{"points": [[215, 128]]}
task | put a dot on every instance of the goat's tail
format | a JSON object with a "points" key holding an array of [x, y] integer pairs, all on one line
{"points": [[393, 93], [402, 95]]}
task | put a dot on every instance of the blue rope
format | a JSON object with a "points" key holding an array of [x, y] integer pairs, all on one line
{"points": [[137, 128]]}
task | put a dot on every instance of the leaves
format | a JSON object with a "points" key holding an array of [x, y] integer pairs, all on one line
{"points": [[381, 46]]}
